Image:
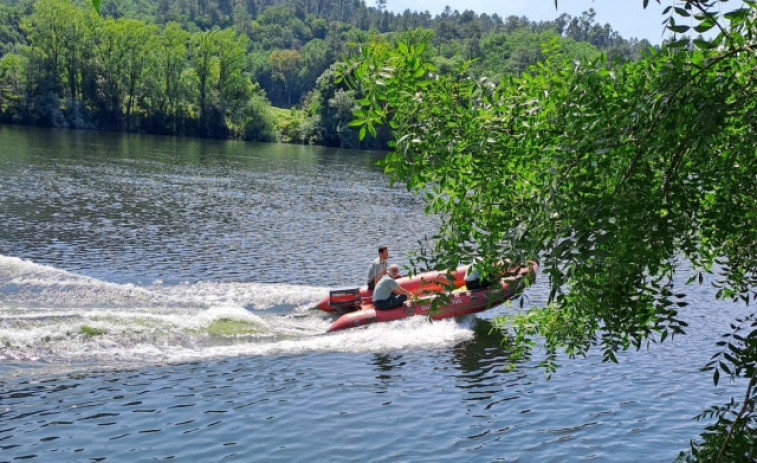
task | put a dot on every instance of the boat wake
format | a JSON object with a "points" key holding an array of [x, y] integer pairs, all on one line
{"points": [[50, 316]]}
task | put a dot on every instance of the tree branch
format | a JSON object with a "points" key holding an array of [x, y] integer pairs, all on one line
{"points": [[738, 419]]}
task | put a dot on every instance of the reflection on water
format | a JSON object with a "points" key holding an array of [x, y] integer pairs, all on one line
{"points": [[485, 351], [388, 367]]}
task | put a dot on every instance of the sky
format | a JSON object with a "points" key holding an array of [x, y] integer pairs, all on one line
{"points": [[627, 17]]}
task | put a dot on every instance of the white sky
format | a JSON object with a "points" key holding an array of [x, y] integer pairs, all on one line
{"points": [[627, 17]]}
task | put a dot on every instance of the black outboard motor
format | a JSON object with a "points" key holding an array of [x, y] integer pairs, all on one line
{"points": [[345, 300]]}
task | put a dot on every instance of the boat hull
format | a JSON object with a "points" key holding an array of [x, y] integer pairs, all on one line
{"points": [[456, 304]]}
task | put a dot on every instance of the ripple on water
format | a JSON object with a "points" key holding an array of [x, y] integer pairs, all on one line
{"points": [[153, 239]]}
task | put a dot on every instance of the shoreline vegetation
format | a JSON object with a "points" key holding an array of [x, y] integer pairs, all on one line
{"points": [[257, 70]]}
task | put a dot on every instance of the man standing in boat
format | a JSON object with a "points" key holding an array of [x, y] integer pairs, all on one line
{"points": [[377, 268], [389, 294]]}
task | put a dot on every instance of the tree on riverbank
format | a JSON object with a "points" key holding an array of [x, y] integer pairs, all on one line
{"points": [[609, 174], [79, 70], [207, 68]]}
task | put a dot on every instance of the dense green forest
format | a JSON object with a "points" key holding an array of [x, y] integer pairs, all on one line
{"points": [[249, 69]]}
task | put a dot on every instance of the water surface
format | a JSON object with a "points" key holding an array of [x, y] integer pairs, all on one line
{"points": [[155, 304]]}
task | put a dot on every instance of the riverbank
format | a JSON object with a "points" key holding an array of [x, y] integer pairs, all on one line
{"points": [[275, 125]]}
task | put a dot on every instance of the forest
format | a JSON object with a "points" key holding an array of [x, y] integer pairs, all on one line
{"points": [[258, 70]]}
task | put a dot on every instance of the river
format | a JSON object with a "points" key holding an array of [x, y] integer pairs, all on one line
{"points": [[156, 300]]}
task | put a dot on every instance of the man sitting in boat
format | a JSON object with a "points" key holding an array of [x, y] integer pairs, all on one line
{"points": [[377, 269], [394, 271], [388, 294]]}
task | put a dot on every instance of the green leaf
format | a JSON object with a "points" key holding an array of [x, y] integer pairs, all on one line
{"points": [[704, 27], [704, 44], [682, 43], [682, 12], [680, 29], [737, 15]]}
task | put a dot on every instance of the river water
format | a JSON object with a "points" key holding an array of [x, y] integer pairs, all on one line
{"points": [[155, 304]]}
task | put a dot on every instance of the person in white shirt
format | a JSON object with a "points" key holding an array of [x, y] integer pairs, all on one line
{"points": [[377, 269]]}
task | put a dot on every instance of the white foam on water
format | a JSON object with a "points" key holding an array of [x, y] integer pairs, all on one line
{"points": [[254, 296], [408, 334], [53, 316], [26, 283]]}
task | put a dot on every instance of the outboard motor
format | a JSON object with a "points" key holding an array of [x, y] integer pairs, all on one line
{"points": [[345, 300]]}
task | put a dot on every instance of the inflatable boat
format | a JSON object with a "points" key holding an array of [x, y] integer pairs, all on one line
{"points": [[456, 303], [348, 299]]}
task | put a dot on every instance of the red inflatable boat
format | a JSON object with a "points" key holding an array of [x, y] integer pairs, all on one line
{"points": [[457, 303], [348, 299]]}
